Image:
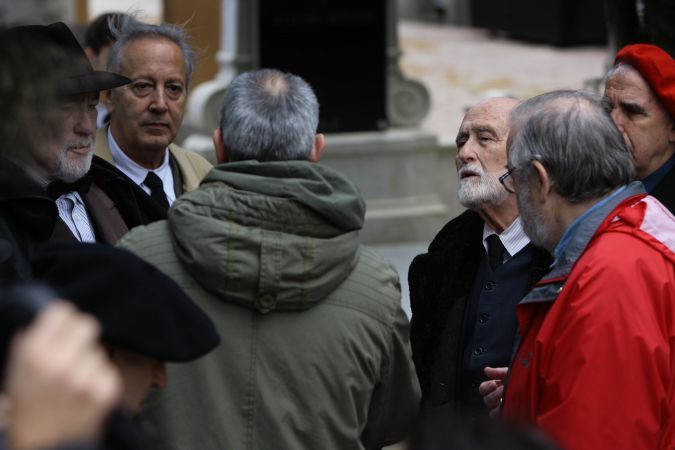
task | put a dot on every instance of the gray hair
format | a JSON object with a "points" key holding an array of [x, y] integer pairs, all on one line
{"points": [[573, 136], [268, 115], [619, 68], [130, 30]]}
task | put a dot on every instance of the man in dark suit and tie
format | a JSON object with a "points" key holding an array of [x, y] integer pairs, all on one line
{"points": [[464, 290]]}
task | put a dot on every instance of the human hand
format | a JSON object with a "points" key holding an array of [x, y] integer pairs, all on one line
{"points": [[60, 384], [493, 389]]}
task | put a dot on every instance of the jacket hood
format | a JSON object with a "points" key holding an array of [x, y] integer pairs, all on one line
{"points": [[269, 236]]}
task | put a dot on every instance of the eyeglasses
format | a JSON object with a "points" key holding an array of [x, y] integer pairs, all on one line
{"points": [[507, 181]]}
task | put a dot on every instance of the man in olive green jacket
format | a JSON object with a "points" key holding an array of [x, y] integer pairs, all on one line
{"points": [[315, 351]]}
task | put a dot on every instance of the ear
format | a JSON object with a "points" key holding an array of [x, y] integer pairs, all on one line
{"points": [[671, 135], [91, 56], [542, 184], [317, 148], [104, 97], [219, 145]]}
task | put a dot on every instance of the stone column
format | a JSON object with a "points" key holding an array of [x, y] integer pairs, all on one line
{"points": [[236, 43], [407, 100]]}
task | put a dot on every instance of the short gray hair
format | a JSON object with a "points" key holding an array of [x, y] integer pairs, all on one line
{"points": [[129, 30], [268, 115], [573, 136]]}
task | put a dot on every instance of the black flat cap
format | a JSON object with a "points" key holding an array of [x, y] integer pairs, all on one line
{"points": [[139, 308], [82, 78]]}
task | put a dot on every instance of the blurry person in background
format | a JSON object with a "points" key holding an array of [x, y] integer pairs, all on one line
{"points": [[98, 41], [146, 318], [59, 385], [29, 93]]}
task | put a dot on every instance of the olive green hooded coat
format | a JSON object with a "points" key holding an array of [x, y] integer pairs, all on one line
{"points": [[315, 351]]}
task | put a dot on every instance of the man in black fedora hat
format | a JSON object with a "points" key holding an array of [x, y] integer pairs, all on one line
{"points": [[94, 201]]}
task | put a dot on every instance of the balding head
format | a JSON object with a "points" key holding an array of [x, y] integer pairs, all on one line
{"points": [[275, 85], [495, 109], [268, 115]]}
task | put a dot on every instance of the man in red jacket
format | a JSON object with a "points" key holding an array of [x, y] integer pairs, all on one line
{"points": [[596, 364], [640, 93]]}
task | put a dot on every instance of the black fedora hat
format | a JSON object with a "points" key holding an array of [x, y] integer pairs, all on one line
{"points": [[140, 308], [81, 78]]}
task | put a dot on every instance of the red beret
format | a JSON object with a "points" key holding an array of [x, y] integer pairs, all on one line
{"points": [[657, 68]]}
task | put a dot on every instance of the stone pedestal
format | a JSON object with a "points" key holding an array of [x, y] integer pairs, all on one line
{"points": [[407, 179]]}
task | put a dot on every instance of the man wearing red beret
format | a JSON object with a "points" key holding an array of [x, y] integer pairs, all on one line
{"points": [[640, 90]]}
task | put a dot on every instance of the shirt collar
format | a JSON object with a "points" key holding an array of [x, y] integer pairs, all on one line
{"points": [[567, 236], [651, 181], [130, 167], [513, 237]]}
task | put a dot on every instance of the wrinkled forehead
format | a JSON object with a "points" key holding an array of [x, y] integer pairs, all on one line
{"points": [[627, 79], [490, 114], [626, 84], [145, 49]]}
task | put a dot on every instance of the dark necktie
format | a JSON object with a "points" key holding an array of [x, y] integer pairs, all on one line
{"points": [[496, 251], [156, 189], [56, 189]]}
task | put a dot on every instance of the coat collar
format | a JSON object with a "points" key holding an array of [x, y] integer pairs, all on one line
{"points": [[551, 285]]}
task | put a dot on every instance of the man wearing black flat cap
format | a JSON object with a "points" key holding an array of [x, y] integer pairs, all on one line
{"points": [[95, 202], [146, 318]]}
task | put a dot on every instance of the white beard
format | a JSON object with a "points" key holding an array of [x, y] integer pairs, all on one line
{"points": [[479, 194], [534, 223], [72, 170]]}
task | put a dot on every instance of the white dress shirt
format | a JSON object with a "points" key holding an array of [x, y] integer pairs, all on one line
{"points": [[138, 173], [74, 213], [513, 238]]}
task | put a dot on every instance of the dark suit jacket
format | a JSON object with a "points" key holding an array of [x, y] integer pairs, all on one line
{"points": [[441, 282], [115, 205], [665, 191], [27, 216]]}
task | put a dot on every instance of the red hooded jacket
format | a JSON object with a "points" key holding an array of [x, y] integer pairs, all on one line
{"points": [[596, 365]]}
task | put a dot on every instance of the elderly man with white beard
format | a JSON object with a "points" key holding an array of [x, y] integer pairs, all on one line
{"points": [[464, 290]]}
